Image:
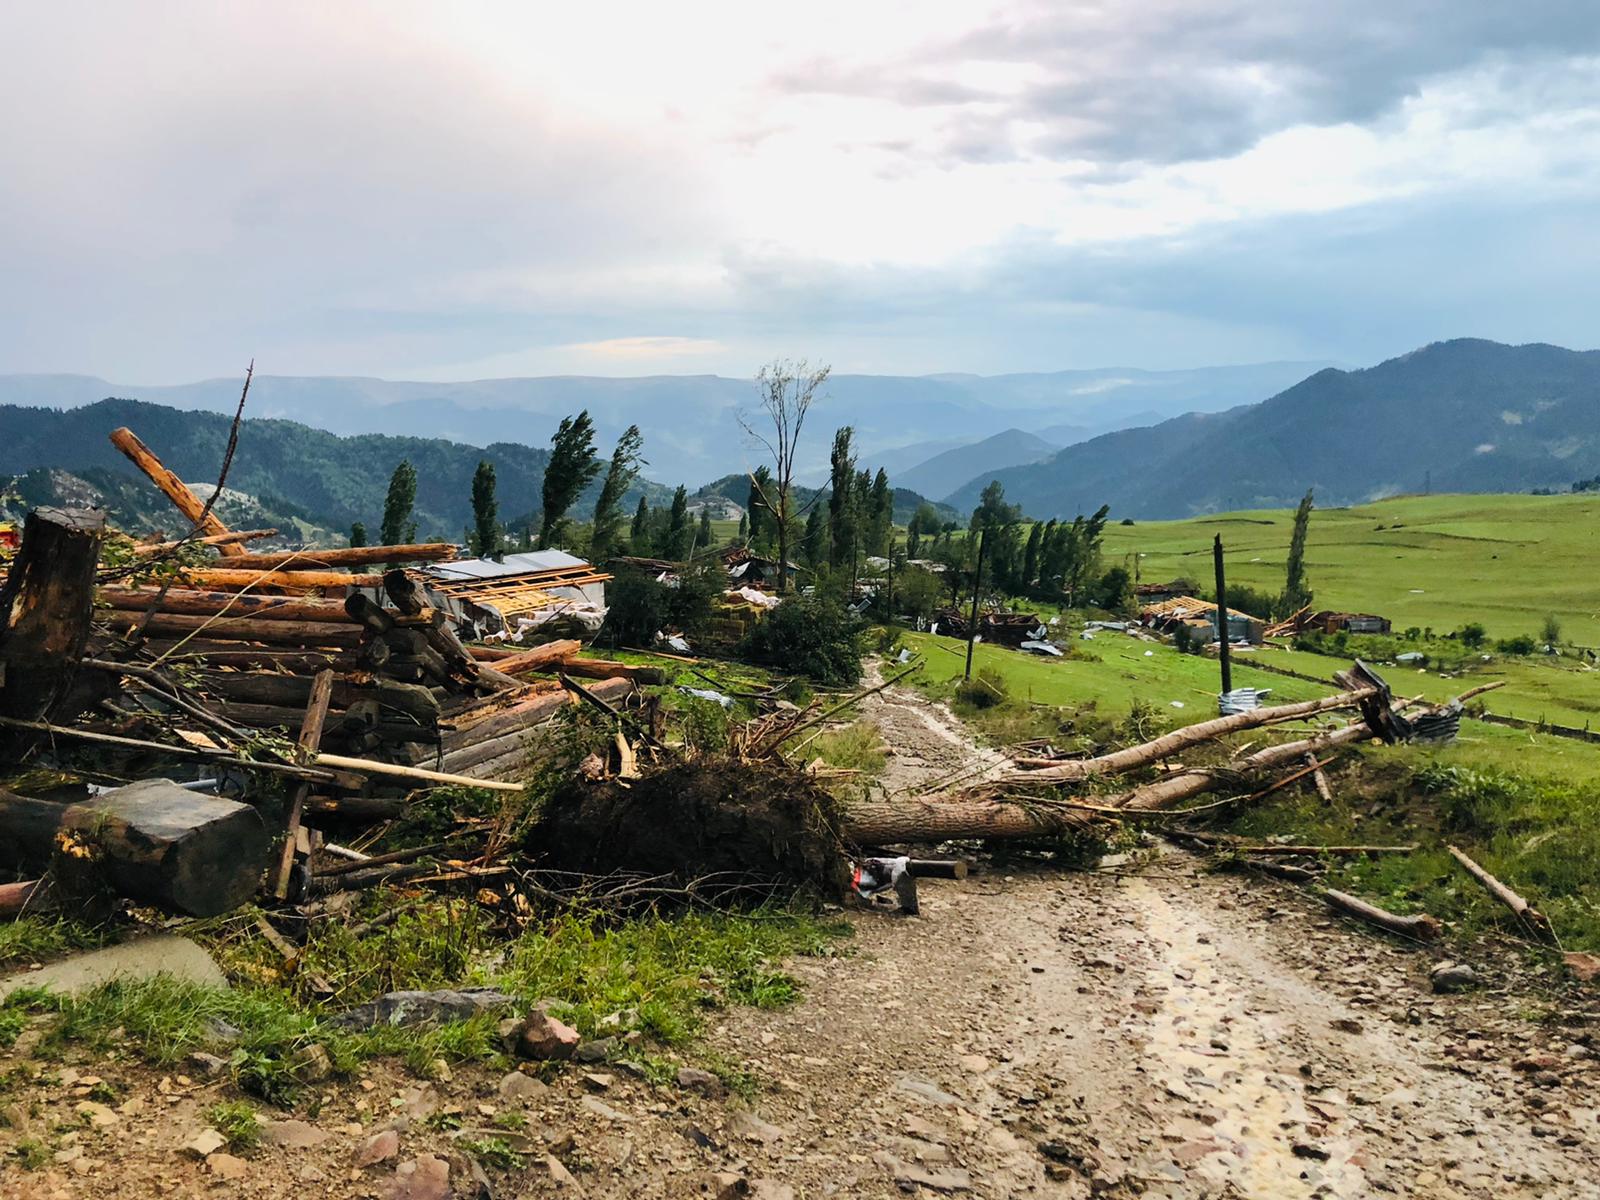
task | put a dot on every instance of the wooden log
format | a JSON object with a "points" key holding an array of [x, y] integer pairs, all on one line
{"points": [[601, 668], [275, 659], [235, 604], [1285, 850], [551, 654], [1531, 919], [1179, 740], [1422, 927], [520, 740], [46, 614], [366, 611], [324, 559], [243, 629], [155, 843], [1319, 779], [878, 822], [533, 710], [174, 489], [938, 868], [215, 539], [420, 704], [16, 897], [231, 579], [403, 592]]}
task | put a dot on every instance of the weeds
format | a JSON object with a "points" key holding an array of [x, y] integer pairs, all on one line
{"points": [[27, 939], [494, 1152], [31, 1153], [856, 747], [236, 1121]]}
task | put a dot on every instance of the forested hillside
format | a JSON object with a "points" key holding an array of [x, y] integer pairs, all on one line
{"points": [[290, 467]]}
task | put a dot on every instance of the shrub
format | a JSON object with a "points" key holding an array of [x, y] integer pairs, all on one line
{"points": [[812, 636], [1521, 644], [988, 690], [918, 592], [637, 609], [1471, 635]]}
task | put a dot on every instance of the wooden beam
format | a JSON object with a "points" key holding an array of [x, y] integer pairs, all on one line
{"points": [[216, 539], [189, 602], [233, 579], [319, 559], [309, 742], [174, 489], [243, 629]]}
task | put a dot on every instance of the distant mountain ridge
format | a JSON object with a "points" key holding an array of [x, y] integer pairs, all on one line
{"points": [[943, 473], [689, 420], [1466, 415]]}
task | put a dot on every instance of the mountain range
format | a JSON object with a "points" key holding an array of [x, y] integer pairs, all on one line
{"points": [[689, 422], [1464, 415]]}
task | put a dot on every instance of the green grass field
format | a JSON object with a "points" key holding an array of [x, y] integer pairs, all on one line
{"points": [[1505, 561]]}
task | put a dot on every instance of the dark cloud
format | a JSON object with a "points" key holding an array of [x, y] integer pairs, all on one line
{"points": [[1164, 81]]}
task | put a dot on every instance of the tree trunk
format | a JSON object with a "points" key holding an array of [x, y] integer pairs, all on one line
{"points": [[883, 822], [157, 843], [234, 604], [230, 578], [548, 655], [174, 489], [46, 612], [1531, 919], [244, 629], [1422, 927]]}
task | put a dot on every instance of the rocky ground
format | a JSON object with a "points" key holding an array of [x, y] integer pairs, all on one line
{"points": [[1146, 1029]]}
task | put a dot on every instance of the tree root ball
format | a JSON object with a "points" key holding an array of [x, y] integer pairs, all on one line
{"points": [[736, 831]]}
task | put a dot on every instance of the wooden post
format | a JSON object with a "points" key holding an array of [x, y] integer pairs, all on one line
{"points": [[977, 584], [174, 489], [46, 609], [310, 741], [1222, 618]]}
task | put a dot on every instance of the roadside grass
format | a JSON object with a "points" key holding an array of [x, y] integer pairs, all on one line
{"points": [[30, 938], [856, 747], [660, 975], [1538, 834]]}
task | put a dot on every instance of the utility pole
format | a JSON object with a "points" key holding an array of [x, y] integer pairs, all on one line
{"points": [[977, 584], [1222, 617]]}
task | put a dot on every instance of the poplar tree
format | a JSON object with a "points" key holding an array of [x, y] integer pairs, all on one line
{"points": [[572, 466], [485, 512], [398, 528]]}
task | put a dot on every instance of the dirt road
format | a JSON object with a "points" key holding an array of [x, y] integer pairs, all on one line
{"points": [[1145, 1029], [1151, 1029]]}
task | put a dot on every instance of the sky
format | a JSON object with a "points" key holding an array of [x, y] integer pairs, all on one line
{"points": [[472, 190]]}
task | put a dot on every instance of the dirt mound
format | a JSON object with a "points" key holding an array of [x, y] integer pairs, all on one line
{"points": [[739, 831]]}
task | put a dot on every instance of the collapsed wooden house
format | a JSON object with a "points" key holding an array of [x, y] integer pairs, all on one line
{"points": [[518, 591], [1002, 628], [1199, 617]]}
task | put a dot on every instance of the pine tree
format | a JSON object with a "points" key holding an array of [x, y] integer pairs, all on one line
{"points": [[398, 528], [704, 538], [881, 508], [639, 531], [358, 534], [1295, 594], [571, 467], [841, 507], [763, 523], [624, 469], [814, 546], [485, 512], [679, 529], [1030, 558]]}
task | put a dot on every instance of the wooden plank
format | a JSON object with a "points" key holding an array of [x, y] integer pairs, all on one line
{"points": [[309, 742]]}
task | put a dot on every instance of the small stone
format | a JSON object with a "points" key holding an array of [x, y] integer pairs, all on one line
{"points": [[97, 1114], [770, 1189], [208, 1065], [226, 1166], [692, 1079], [977, 1064], [597, 1082], [521, 1088], [725, 1185], [1307, 1150], [1453, 977], [312, 1064], [378, 1148], [559, 1175], [753, 1129], [598, 1051], [543, 1037], [205, 1143], [1345, 1024]]}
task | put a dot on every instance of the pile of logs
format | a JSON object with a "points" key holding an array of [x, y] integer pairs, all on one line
{"points": [[325, 669]]}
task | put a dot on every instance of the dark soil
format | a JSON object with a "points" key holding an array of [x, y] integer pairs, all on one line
{"points": [[732, 829]]}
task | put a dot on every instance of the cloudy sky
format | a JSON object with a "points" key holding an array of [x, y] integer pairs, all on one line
{"points": [[447, 191]]}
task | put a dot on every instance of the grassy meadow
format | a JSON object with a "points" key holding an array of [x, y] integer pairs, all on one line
{"points": [[1505, 561]]}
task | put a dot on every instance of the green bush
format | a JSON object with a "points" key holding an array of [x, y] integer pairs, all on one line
{"points": [[988, 690], [1521, 644], [811, 636]]}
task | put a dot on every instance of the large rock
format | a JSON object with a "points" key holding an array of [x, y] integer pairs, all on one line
{"points": [[422, 1008], [143, 958]]}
